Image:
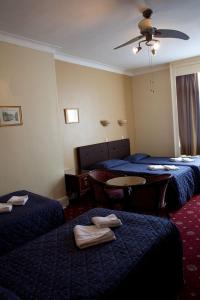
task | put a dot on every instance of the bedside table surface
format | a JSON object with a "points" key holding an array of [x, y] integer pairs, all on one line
{"points": [[75, 172]]}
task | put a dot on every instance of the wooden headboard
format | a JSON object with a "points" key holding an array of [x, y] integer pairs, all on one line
{"points": [[118, 149], [91, 154]]}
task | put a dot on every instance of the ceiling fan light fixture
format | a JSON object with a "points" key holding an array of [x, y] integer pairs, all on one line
{"points": [[136, 49], [153, 51], [156, 45]]}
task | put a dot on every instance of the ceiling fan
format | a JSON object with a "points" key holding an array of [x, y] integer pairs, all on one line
{"points": [[150, 33]]}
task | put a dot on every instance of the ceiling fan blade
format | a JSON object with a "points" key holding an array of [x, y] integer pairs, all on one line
{"points": [[170, 33], [129, 42]]}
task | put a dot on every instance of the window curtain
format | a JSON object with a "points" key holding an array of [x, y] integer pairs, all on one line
{"points": [[188, 113]]}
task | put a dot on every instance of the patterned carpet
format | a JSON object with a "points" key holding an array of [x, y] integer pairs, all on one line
{"points": [[187, 220]]}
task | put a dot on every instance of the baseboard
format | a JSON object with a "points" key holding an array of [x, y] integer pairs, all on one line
{"points": [[64, 201]]}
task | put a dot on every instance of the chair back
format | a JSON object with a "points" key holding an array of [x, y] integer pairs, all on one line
{"points": [[104, 194], [150, 197]]}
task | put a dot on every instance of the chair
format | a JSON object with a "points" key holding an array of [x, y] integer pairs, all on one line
{"points": [[103, 194], [150, 197]]}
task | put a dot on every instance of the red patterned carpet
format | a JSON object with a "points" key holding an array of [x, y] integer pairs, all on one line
{"points": [[187, 220]]}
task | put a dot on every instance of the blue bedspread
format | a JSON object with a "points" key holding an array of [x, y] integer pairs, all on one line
{"points": [[159, 160], [181, 186], [28, 221], [145, 261], [6, 294]]}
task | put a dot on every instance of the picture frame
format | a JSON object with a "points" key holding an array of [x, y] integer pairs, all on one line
{"points": [[71, 115], [10, 116]]}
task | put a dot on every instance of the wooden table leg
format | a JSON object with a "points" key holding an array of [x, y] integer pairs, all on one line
{"points": [[127, 191]]}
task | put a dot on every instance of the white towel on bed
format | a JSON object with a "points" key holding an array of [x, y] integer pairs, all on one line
{"points": [[5, 207], [176, 159], [171, 167], [109, 221], [190, 156], [18, 200], [163, 167], [182, 158], [156, 167], [187, 159], [86, 236]]}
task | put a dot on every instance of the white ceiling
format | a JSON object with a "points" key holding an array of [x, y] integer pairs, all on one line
{"points": [[90, 29]]}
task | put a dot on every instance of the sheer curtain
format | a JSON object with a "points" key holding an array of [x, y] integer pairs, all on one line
{"points": [[188, 113]]}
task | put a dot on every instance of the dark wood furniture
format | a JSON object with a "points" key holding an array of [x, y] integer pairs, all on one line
{"points": [[91, 154], [150, 197], [103, 194], [127, 183], [77, 184]]}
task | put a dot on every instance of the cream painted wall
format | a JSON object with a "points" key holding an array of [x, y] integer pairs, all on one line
{"points": [[98, 95], [153, 120], [31, 155]]}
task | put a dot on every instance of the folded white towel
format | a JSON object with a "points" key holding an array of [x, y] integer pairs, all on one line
{"points": [[183, 159], [163, 167], [4, 207], [176, 159], [18, 200], [86, 236], [190, 156], [171, 167], [187, 159], [109, 221], [156, 167]]}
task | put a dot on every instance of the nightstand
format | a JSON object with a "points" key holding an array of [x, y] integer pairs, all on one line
{"points": [[77, 184]]}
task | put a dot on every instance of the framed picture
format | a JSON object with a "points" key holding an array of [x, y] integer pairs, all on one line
{"points": [[71, 115], [10, 115]]}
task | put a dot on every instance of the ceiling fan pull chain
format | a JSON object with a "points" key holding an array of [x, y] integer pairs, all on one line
{"points": [[150, 63], [151, 81]]}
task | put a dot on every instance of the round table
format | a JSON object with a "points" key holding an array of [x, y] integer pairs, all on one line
{"points": [[126, 183]]}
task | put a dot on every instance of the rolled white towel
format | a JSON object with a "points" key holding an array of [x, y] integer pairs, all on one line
{"points": [[156, 167], [171, 167], [4, 207], [18, 200], [109, 221], [86, 236]]}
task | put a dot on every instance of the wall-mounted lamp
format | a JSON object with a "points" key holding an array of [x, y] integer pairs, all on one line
{"points": [[122, 122], [104, 122]]}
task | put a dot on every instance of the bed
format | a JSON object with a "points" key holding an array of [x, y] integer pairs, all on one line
{"points": [[143, 158], [112, 155], [181, 186], [145, 261], [38, 216]]}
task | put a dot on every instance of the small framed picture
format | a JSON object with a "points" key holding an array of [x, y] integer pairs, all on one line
{"points": [[71, 115], [10, 115]]}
